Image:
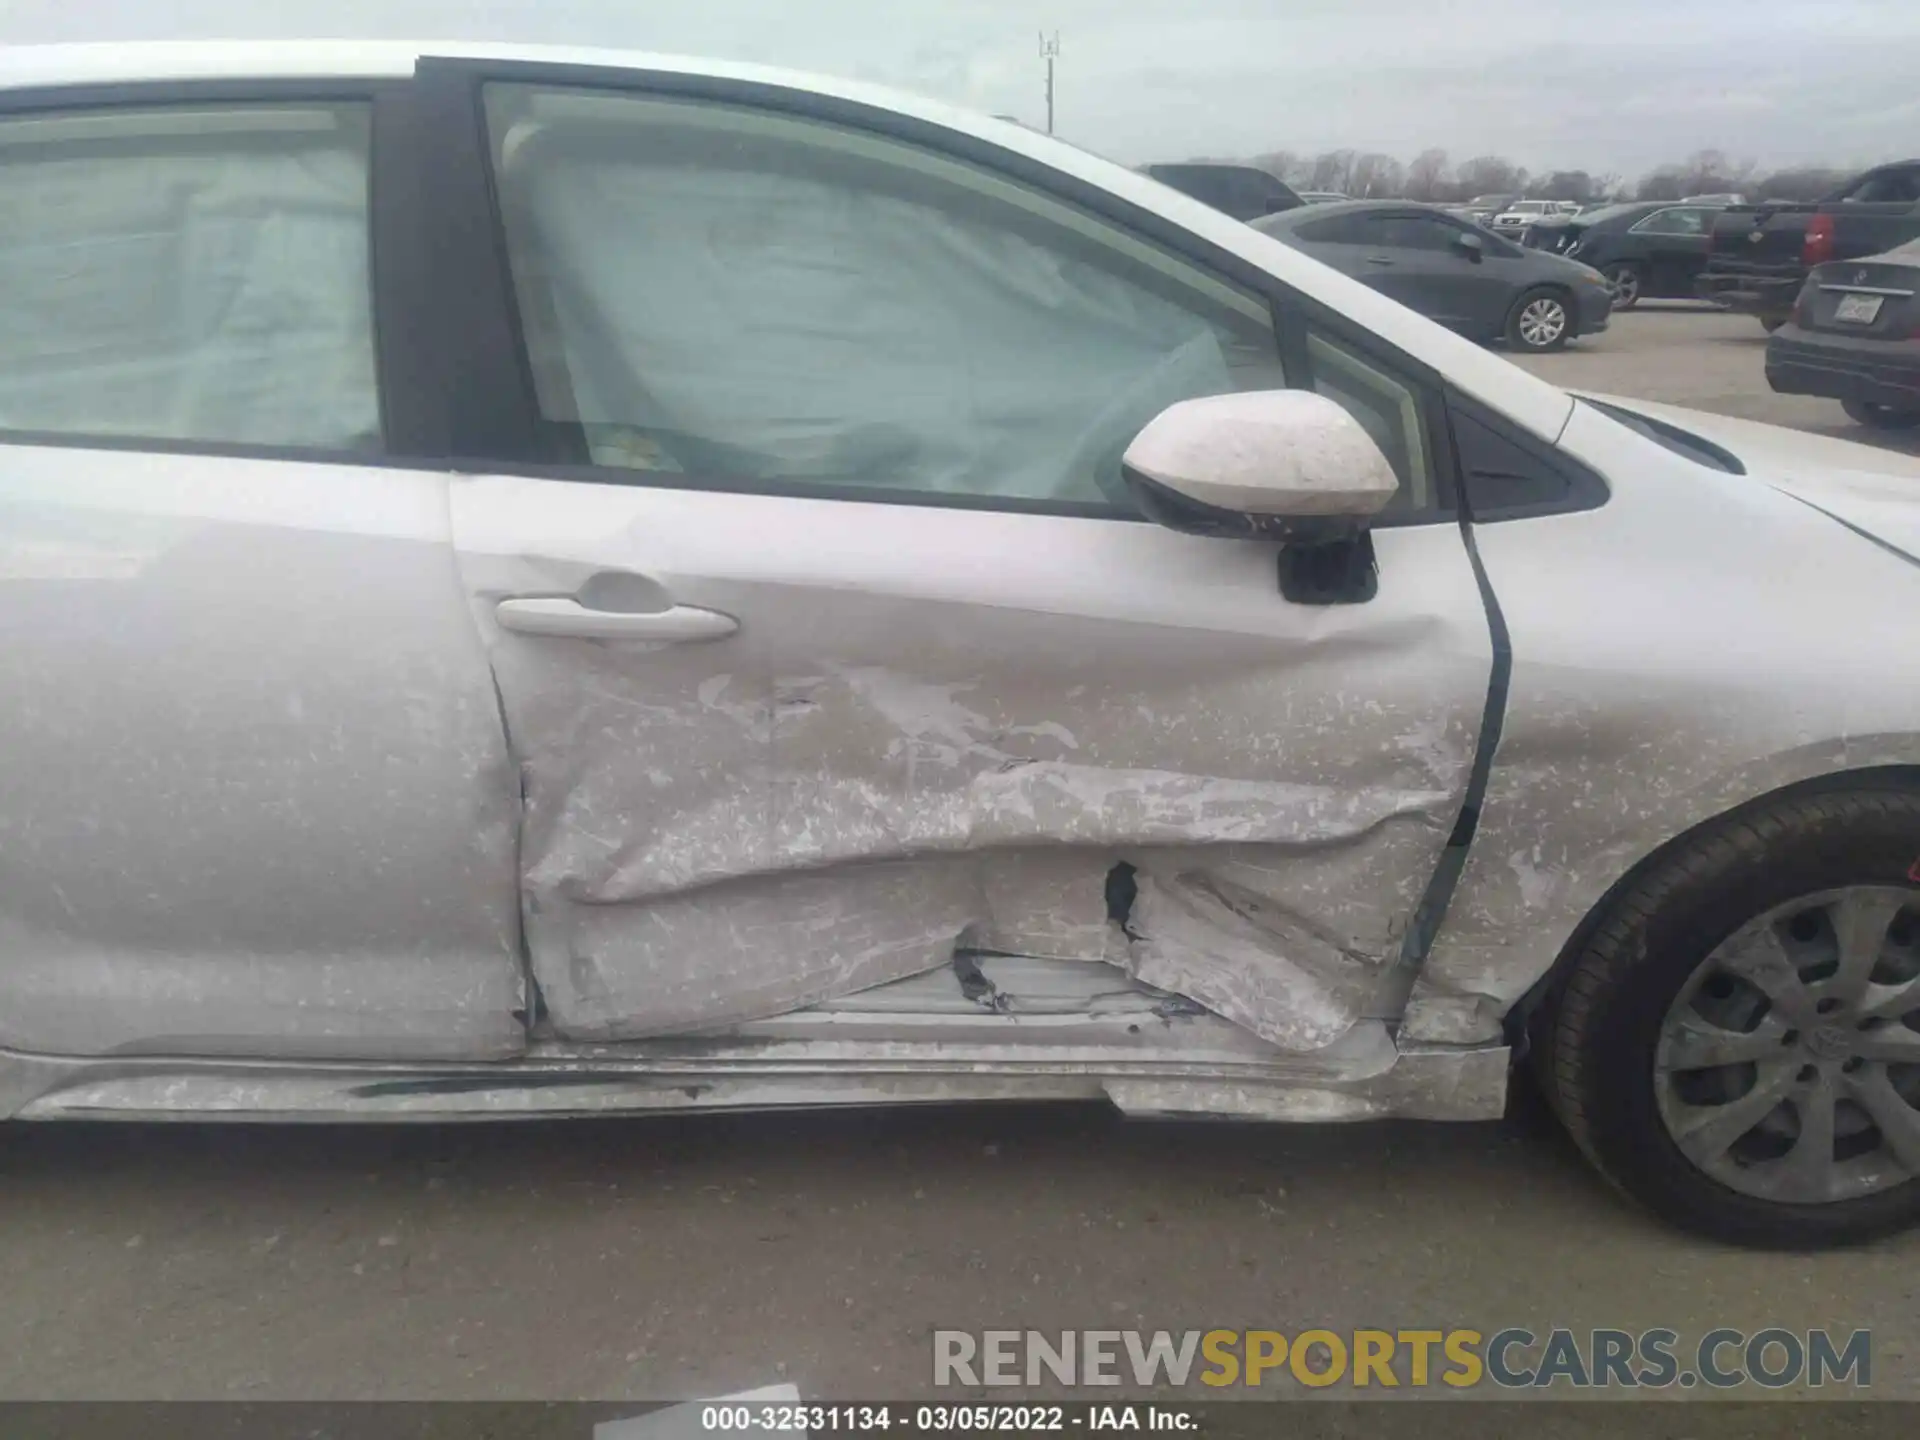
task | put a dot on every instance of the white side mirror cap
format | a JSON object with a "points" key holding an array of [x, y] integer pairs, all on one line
{"points": [[1278, 453]]}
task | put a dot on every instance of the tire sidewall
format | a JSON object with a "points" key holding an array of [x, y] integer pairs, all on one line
{"points": [[1620, 1096], [1639, 283], [1879, 417]]}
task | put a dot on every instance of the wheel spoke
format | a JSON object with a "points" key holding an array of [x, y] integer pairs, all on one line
{"points": [[1891, 1045], [1838, 1051], [1861, 920], [1760, 958], [1805, 1173], [1706, 1132], [1691, 1042], [1897, 1121], [1890, 1002]]}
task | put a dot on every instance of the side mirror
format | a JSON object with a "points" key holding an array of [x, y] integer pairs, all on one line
{"points": [[1471, 246], [1280, 464]]}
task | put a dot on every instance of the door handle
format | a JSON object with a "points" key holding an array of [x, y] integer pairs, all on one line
{"points": [[1378, 260], [566, 617]]}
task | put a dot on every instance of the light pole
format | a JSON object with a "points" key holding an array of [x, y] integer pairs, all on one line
{"points": [[1049, 52]]}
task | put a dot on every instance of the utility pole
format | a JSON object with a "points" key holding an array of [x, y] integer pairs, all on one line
{"points": [[1049, 52]]}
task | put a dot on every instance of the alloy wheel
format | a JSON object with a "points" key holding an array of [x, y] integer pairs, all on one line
{"points": [[1624, 282]]}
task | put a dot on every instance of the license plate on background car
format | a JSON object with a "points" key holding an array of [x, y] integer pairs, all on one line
{"points": [[1861, 309]]}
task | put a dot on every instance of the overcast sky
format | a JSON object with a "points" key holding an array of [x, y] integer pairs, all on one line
{"points": [[1604, 85]]}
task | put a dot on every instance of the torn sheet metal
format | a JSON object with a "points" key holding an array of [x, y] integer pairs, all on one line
{"points": [[937, 728], [1619, 737]]}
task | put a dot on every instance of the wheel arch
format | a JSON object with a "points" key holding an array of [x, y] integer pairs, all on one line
{"points": [[1520, 1014]]}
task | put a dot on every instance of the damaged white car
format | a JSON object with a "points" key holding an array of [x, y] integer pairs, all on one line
{"points": [[548, 583]]}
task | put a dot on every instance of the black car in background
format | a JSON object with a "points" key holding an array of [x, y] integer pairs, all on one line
{"points": [[1652, 250], [1245, 192], [1451, 271], [1855, 337]]}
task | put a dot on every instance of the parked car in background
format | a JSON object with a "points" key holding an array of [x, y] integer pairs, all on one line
{"points": [[1760, 254], [1482, 208], [1512, 222], [1721, 199], [1478, 284], [1651, 250], [1321, 197], [1245, 192], [1855, 337]]}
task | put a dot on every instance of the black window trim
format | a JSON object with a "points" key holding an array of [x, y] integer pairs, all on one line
{"points": [[393, 230], [495, 419], [1586, 488]]}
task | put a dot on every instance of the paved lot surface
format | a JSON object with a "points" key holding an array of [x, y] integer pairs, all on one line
{"points": [[1705, 359], [684, 1257]]}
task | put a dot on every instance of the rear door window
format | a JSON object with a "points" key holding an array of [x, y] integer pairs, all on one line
{"points": [[191, 273], [1413, 232]]}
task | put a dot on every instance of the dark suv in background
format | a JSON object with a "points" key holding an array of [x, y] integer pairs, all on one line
{"points": [[1760, 254]]}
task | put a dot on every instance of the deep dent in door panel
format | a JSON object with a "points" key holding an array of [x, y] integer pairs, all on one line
{"points": [[712, 837]]}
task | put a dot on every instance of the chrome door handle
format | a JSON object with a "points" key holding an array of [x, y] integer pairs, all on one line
{"points": [[568, 618]]}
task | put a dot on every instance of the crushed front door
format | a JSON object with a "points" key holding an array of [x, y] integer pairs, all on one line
{"points": [[843, 648]]}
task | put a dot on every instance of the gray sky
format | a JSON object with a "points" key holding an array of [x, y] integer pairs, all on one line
{"points": [[1604, 85]]}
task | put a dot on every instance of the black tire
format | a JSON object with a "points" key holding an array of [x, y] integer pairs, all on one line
{"points": [[1880, 417], [1771, 323], [1517, 327], [1627, 281], [1595, 1038]]}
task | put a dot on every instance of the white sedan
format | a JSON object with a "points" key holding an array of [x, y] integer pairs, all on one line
{"points": [[552, 583]]}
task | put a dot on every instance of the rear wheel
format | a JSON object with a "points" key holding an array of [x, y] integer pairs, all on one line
{"points": [[1880, 417], [1625, 281], [1539, 321], [1737, 1046]]}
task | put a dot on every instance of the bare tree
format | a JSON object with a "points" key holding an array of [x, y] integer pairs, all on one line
{"points": [[1802, 183], [1565, 185], [1282, 165], [1376, 177], [1489, 175], [1666, 183], [1427, 175], [1711, 172], [1331, 171]]}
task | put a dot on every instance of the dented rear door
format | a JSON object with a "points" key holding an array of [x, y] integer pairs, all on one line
{"points": [[830, 643]]}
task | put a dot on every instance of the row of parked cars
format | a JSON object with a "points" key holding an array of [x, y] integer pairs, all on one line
{"points": [[1835, 282]]}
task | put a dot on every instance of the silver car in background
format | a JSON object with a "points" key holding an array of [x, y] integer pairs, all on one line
{"points": [[552, 583]]}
